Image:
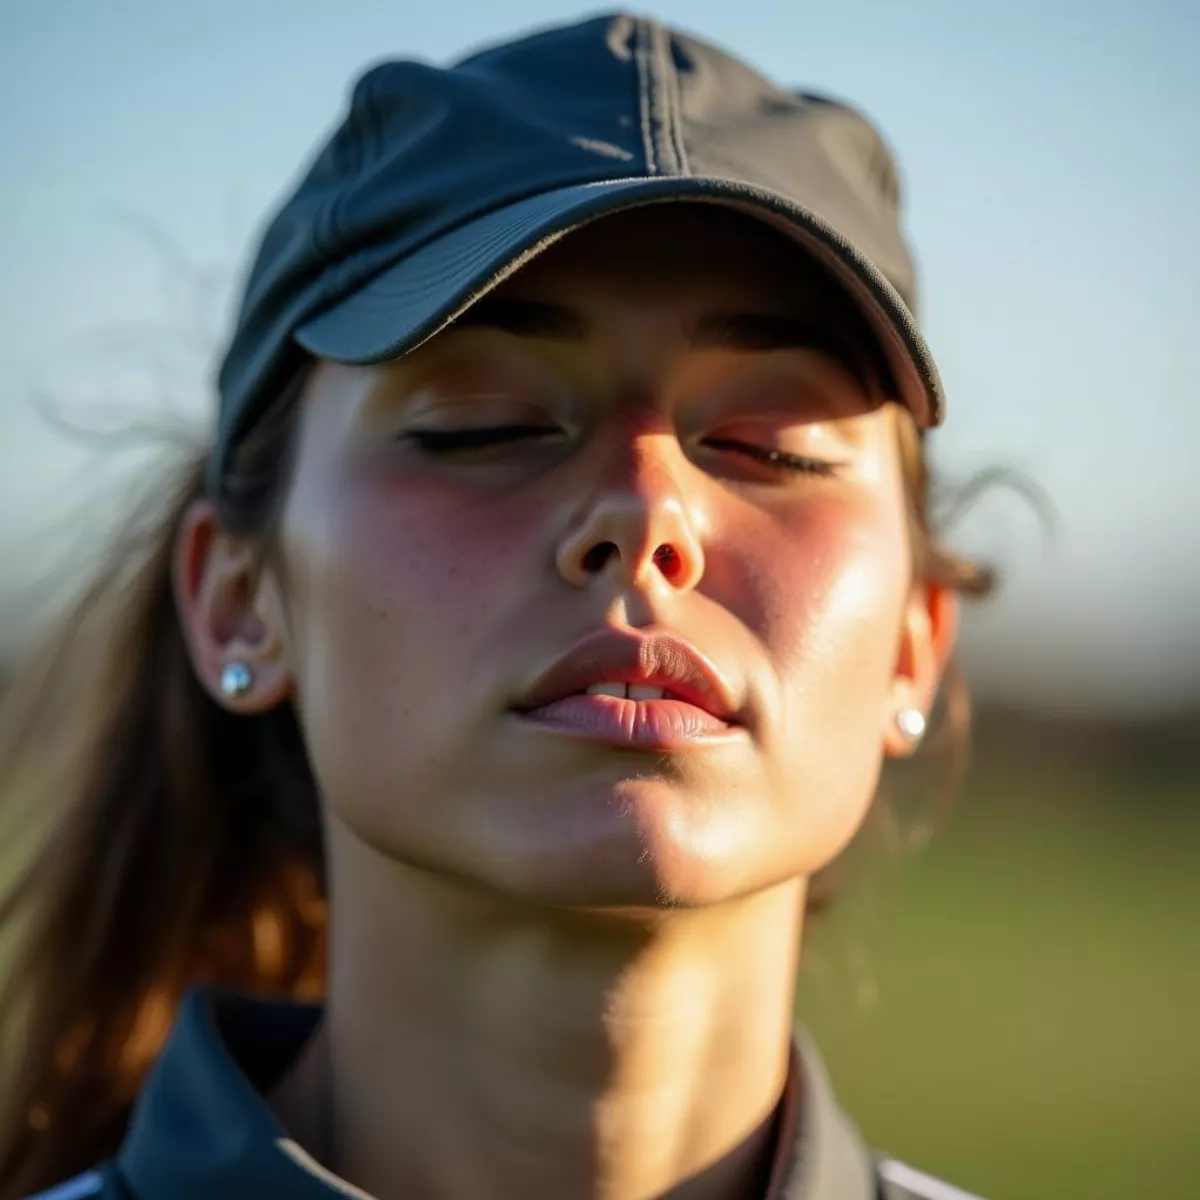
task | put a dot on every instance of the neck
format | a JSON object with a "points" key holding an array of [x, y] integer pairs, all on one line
{"points": [[504, 1049]]}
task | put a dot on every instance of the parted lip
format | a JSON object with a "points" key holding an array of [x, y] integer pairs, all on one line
{"points": [[661, 660]]}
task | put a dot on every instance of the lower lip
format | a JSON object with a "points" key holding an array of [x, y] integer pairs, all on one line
{"points": [[645, 724]]}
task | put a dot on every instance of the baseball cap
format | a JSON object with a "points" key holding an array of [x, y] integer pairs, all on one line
{"points": [[442, 181]]}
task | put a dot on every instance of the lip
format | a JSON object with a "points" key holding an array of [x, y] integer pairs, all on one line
{"points": [[699, 705]]}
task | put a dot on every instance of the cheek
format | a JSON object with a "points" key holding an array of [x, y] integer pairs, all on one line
{"points": [[828, 585], [394, 599], [825, 601]]}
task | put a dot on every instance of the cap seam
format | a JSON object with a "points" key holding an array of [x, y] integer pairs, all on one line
{"points": [[657, 99], [641, 60], [673, 99]]}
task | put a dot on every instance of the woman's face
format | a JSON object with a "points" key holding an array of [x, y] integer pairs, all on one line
{"points": [[655, 434]]}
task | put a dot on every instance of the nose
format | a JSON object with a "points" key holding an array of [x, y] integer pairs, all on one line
{"points": [[637, 521]]}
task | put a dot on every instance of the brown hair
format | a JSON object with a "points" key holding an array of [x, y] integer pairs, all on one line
{"points": [[165, 841]]}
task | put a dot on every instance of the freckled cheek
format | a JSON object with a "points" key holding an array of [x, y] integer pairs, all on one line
{"points": [[394, 593]]}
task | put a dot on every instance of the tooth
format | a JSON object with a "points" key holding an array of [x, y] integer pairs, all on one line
{"points": [[639, 691], [607, 689]]}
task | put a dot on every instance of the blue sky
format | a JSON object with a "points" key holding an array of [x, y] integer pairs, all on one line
{"points": [[1051, 153]]}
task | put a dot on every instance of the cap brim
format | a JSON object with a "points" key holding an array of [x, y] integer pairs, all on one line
{"points": [[412, 300]]}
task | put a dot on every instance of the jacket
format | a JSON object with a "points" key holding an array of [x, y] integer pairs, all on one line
{"points": [[201, 1128]]}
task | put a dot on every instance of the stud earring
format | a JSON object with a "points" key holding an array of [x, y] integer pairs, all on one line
{"points": [[911, 723], [236, 680]]}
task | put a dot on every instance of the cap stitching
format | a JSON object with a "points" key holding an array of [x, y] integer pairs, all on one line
{"points": [[641, 58], [674, 100], [658, 96]]}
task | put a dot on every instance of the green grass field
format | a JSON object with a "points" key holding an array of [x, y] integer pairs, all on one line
{"points": [[1017, 1005]]}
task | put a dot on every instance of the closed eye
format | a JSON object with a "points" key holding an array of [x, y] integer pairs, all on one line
{"points": [[778, 459], [448, 441]]}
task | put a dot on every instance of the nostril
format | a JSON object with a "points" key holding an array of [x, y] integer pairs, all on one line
{"points": [[666, 559], [597, 557]]}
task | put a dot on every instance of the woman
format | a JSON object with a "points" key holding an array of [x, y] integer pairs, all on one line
{"points": [[532, 633]]}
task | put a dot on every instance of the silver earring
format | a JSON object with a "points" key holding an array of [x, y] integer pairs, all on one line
{"points": [[911, 723], [236, 680]]}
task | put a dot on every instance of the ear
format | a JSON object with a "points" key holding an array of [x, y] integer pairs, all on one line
{"points": [[230, 611], [927, 636]]}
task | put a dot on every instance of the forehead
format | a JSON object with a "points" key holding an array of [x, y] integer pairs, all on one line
{"points": [[693, 250]]}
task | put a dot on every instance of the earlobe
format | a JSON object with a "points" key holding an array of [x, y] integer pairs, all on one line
{"points": [[231, 633], [927, 639]]}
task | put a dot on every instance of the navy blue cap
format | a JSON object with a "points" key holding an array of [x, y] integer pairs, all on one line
{"points": [[441, 181]]}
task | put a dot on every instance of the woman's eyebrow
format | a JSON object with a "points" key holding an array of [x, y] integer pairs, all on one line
{"points": [[525, 318], [747, 330]]}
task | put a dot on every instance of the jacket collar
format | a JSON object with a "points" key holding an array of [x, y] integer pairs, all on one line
{"points": [[819, 1154], [202, 1129]]}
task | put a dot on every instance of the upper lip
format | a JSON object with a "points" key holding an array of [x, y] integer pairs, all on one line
{"points": [[660, 660]]}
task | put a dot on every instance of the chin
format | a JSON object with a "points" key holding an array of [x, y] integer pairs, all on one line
{"points": [[642, 846]]}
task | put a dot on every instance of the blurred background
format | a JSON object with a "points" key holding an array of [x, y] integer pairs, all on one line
{"points": [[1015, 1004]]}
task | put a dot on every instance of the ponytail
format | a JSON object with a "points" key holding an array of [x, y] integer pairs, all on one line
{"points": [[149, 840]]}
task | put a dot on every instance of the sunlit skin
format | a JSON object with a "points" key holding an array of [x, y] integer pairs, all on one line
{"points": [[564, 966]]}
